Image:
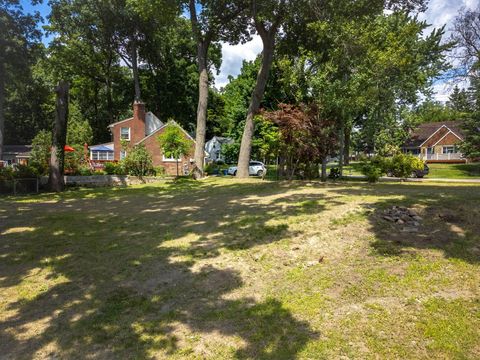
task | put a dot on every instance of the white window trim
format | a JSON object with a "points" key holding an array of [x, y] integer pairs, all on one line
{"points": [[95, 155], [129, 131], [449, 146], [124, 154], [165, 159]]}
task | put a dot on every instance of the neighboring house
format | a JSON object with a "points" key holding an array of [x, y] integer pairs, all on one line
{"points": [[99, 154], [142, 128], [436, 142], [16, 154], [214, 146]]}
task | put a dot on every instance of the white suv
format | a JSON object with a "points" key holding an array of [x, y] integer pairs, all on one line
{"points": [[254, 168]]}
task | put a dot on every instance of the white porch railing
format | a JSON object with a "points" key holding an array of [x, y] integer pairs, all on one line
{"points": [[455, 156]]}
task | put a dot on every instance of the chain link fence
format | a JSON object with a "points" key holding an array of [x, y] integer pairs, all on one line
{"points": [[19, 186]]}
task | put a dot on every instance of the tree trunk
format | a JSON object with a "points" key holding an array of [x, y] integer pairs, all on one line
{"points": [[347, 133], [57, 155], [108, 90], [342, 146], [257, 96], [176, 161], [202, 106], [324, 169], [2, 103], [136, 80]]}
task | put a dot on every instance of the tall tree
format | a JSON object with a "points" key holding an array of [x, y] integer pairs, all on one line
{"points": [[84, 50], [91, 40], [18, 35], [57, 156], [138, 20], [294, 19], [460, 101], [466, 35], [212, 21], [268, 17]]}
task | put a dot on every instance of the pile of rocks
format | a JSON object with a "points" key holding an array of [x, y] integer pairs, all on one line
{"points": [[401, 215]]}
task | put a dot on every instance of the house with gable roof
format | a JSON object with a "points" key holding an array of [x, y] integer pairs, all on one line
{"points": [[143, 128], [436, 142]]}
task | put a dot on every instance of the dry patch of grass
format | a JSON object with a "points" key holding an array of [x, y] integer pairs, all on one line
{"points": [[251, 269]]}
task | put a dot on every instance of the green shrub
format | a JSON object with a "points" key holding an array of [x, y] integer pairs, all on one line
{"points": [[40, 154], [138, 161], [84, 171], [159, 171], [211, 168], [120, 169], [111, 168], [18, 172], [6, 173], [374, 168], [372, 171], [25, 171], [334, 173], [403, 165]]}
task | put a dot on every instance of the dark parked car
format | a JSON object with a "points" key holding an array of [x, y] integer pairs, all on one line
{"points": [[421, 173], [415, 173]]}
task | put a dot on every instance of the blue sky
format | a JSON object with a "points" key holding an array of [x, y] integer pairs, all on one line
{"points": [[439, 13]]}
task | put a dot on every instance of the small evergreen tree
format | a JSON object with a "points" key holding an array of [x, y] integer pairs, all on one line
{"points": [[173, 142], [40, 154], [471, 128]]}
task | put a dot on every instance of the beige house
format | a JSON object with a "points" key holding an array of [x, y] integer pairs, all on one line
{"points": [[436, 142]]}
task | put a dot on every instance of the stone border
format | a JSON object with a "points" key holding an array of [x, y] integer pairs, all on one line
{"points": [[106, 180]]}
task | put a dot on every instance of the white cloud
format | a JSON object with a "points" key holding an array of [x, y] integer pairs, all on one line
{"points": [[233, 56], [439, 13]]}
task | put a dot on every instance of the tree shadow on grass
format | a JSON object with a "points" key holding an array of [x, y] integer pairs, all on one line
{"points": [[450, 219], [123, 277]]}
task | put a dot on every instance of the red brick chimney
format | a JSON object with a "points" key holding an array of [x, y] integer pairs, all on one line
{"points": [[138, 126]]}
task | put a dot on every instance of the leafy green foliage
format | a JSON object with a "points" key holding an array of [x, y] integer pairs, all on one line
{"points": [[402, 165], [173, 142], [138, 161], [159, 171], [334, 173], [79, 131], [230, 152], [304, 138], [19, 38], [18, 172], [373, 170], [471, 128], [112, 168], [40, 154]]}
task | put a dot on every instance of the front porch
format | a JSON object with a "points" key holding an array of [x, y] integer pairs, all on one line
{"points": [[450, 157]]}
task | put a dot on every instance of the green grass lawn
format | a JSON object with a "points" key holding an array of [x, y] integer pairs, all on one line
{"points": [[443, 171], [223, 269], [454, 171]]}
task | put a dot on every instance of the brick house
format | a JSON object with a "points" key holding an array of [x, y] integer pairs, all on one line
{"points": [[436, 142], [142, 128]]}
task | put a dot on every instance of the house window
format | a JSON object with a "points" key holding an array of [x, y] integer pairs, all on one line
{"points": [[170, 158], [449, 150], [102, 155], [123, 154], [430, 150], [125, 133]]}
